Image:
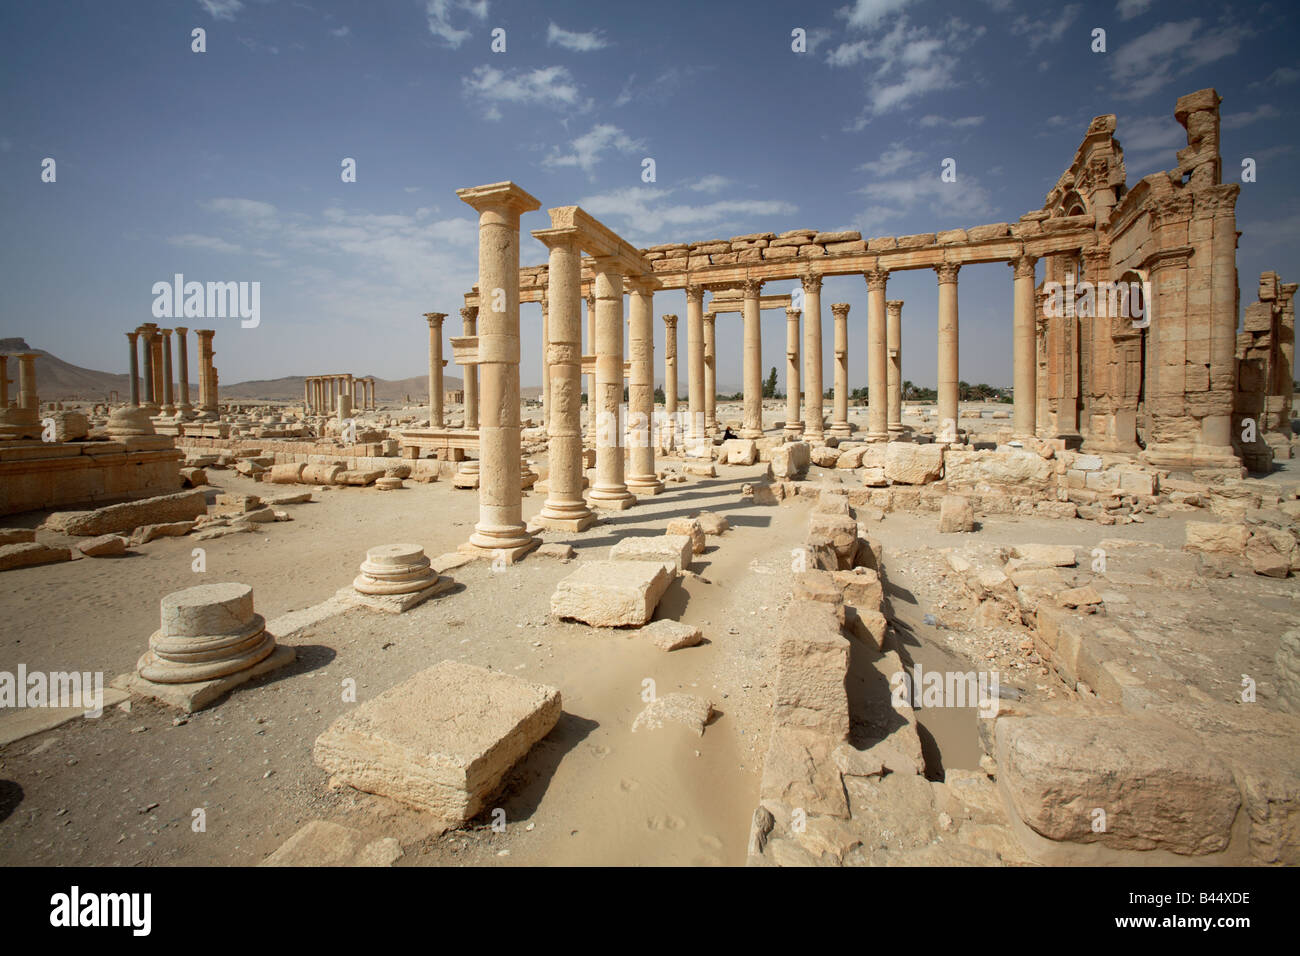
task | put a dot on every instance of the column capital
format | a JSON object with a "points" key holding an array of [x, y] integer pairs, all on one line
{"points": [[180, 330], [695, 292], [469, 313], [876, 279], [753, 288], [792, 314], [670, 321], [947, 272], [165, 332], [811, 282], [133, 336], [710, 318], [435, 318], [1023, 266], [894, 306], [840, 310]]}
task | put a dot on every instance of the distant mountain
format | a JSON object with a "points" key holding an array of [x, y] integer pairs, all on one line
{"points": [[57, 380]]}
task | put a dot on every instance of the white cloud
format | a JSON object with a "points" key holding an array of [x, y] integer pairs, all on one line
{"points": [[587, 148], [709, 184], [1282, 76], [647, 213], [193, 240], [571, 40], [1128, 9], [1148, 63], [1048, 29], [1238, 120], [961, 122], [248, 211], [925, 193], [550, 86], [439, 14], [221, 9], [867, 14], [896, 157], [341, 31]]}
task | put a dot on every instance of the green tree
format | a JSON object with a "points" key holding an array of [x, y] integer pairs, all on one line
{"points": [[769, 387]]}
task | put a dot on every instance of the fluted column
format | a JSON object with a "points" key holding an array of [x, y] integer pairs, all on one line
{"points": [[949, 374], [877, 358], [793, 426], [670, 381], [500, 526], [435, 367], [840, 407], [609, 489], [813, 429], [546, 376], [184, 407], [752, 425], [641, 479], [894, 342], [710, 374], [565, 509], [591, 376], [169, 401], [1025, 354], [697, 444], [146, 348], [469, 318], [134, 373]]}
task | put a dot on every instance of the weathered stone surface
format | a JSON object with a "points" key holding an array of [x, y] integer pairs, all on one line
{"points": [[169, 529], [812, 662], [861, 587], [713, 524], [686, 709], [184, 506], [556, 549], [103, 546], [824, 456], [909, 464], [612, 593], [956, 514], [28, 553], [285, 474], [321, 474], [1270, 552], [841, 531], [1288, 665], [1044, 555], [816, 585], [675, 549], [441, 741], [671, 635], [321, 843], [1214, 538], [798, 772], [1078, 597], [692, 528], [1158, 786], [995, 468], [791, 460], [739, 451], [17, 535]]}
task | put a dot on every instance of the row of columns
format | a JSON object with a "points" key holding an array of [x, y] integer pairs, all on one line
{"points": [[156, 346], [23, 419], [321, 393]]}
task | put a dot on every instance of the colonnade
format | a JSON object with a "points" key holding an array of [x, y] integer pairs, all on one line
{"points": [[157, 396], [321, 393]]}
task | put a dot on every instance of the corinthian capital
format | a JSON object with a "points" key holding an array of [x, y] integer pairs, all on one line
{"points": [[876, 279], [695, 293], [811, 283], [1023, 266], [435, 319], [947, 272], [753, 288], [469, 313]]}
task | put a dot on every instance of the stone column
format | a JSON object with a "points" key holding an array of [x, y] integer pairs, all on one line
{"points": [[565, 509], [1025, 349], [840, 408], [134, 373], [146, 346], [184, 406], [752, 424], [306, 396], [469, 316], [710, 374], [670, 381], [609, 489], [4, 377], [207, 394], [435, 367], [591, 376], [949, 374], [155, 347], [695, 430], [169, 401], [813, 429], [641, 479], [877, 357], [27, 397], [500, 526], [546, 375], [793, 426], [894, 344]]}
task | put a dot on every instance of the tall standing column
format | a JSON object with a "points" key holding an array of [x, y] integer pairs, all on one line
{"points": [[894, 343], [669, 436], [184, 406], [4, 377], [207, 396], [134, 373], [146, 347], [710, 374], [435, 367], [877, 358], [306, 396], [565, 509], [469, 318], [546, 376], [793, 426], [609, 489], [752, 425], [27, 397], [840, 409], [1025, 354], [697, 444], [23, 420], [591, 376], [500, 529], [813, 429], [169, 402], [155, 351], [947, 341], [641, 479]]}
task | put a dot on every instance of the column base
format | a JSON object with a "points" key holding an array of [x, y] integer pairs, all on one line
{"points": [[754, 433], [1190, 455], [611, 500], [840, 430], [644, 485], [511, 553], [563, 520], [878, 436]]}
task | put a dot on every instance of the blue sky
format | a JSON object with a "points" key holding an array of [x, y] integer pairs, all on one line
{"points": [[225, 165]]}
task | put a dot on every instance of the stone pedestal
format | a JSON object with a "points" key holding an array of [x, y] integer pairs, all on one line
{"points": [[395, 578]]}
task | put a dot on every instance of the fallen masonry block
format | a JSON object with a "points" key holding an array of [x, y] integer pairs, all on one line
{"points": [[17, 535], [673, 548], [692, 528], [612, 593], [29, 553], [909, 464], [321, 843], [1043, 556], [289, 474], [104, 546], [672, 635], [170, 529], [791, 460], [322, 474], [740, 451], [129, 515], [1214, 538], [956, 515], [812, 663], [441, 741], [712, 523], [694, 712]]}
